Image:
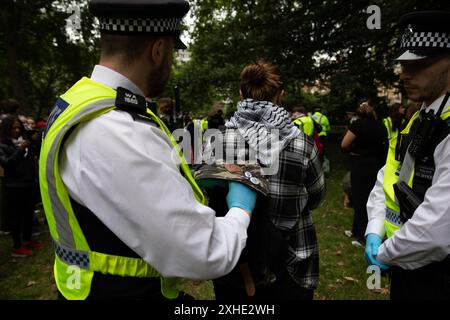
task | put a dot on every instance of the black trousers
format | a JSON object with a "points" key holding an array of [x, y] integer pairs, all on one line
{"points": [[363, 177], [20, 206], [431, 282], [284, 288]]}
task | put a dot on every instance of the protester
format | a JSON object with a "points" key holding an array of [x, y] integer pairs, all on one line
{"points": [[366, 141], [31, 125], [295, 188], [19, 164]]}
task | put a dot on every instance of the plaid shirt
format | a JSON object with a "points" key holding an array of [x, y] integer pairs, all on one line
{"points": [[297, 187]]}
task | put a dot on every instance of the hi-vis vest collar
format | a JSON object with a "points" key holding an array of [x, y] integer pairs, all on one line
{"points": [[87, 100]]}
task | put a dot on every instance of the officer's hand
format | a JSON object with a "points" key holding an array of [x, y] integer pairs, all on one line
{"points": [[241, 196], [210, 183], [373, 242]]}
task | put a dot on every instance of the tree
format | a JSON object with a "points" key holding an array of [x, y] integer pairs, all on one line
{"points": [[326, 42], [40, 58]]}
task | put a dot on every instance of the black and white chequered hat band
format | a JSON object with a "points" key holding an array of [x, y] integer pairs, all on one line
{"points": [[425, 40], [140, 25]]}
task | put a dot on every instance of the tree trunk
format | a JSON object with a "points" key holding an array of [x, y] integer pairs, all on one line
{"points": [[15, 78]]}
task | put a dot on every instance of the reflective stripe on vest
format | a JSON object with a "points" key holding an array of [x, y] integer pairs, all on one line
{"points": [[391, 176], [319, 117], [305, 124], [388, 124], [392, 135], [86, 100]]}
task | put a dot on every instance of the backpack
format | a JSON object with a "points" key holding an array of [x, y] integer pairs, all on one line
{"points": [[265, 254]]}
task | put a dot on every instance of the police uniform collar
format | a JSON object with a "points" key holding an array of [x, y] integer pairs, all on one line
{"points": [[114, 79], [436, 105]]}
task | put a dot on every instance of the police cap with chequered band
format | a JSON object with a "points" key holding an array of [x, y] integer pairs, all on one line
{"points": [[141, 17], [426, 34]]}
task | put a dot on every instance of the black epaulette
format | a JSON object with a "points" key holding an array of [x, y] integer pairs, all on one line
{"points": [[135, 105]]}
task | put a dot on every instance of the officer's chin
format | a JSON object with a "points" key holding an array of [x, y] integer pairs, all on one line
{"points": [[414, 95]]}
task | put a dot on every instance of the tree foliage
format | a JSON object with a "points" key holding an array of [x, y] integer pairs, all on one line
{"points": [[324, 44], [314, 43], [39, 59]]}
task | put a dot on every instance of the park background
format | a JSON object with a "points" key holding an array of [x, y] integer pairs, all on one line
{"points": [[328, 56]]}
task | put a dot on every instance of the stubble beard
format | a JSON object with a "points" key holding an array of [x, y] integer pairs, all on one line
{"points": [[438, 86], [158, 79]]}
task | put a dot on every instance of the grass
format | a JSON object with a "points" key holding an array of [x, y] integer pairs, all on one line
{"points": [[342, 267]]}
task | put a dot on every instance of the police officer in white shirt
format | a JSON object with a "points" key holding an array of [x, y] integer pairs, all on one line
{"points": [[134, 213], [409, 203]]}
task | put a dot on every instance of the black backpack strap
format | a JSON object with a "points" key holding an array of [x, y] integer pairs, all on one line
{"points": [[424, 167]]}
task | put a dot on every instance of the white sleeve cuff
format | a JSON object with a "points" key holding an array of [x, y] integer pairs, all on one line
{"points": [[239, 214], [376, 226]]}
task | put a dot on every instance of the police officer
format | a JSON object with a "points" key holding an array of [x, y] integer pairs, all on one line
{"points": [[322, 119], [409, 203], [125, 222], [304, 122]]}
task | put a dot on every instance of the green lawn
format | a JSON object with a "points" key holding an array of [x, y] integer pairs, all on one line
{"points": [[342, 266]]}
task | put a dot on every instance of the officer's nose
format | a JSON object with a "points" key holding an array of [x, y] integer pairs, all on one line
{"points": [[405, 73]]}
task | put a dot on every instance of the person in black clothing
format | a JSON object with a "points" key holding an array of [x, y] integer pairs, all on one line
{"points": [[19, 163], [167, 113], [366, 140], [216, 121]]}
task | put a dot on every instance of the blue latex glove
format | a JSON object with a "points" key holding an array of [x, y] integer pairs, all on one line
{"points": [[373, 242], [209, 183], [241, 196]]}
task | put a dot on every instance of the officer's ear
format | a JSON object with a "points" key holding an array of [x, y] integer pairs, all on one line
{"points": [[157, 51]]}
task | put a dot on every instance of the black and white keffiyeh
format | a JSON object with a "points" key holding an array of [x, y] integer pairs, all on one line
{"points": [[266, 127]]}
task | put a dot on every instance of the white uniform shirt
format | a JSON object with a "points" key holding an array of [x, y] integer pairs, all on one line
{"points": [[425, 238], [122, 171]]}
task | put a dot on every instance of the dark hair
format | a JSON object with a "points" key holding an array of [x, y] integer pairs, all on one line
{"points": [[260, 81], [9, 106], [130, 47], [167, 101], [5, 127], [366, 111], [300, 109]]}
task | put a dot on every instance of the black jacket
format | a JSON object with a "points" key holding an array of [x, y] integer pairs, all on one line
{"points": [[20, 167]]}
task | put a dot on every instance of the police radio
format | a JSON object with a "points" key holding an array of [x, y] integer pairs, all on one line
{"points": [[430, 127]]}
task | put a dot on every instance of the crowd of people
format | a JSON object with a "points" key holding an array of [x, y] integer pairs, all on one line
{"points": [[134, 220], [20, 140]]}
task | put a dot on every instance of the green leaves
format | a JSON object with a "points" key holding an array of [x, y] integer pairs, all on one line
{"points": [[324, 44], [41, 61]]}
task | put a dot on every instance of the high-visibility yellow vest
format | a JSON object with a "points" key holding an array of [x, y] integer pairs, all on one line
{"points": [[204, 123], [305, 124], [323, 121], [392, 134], [85, 101], [391, 174]]}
